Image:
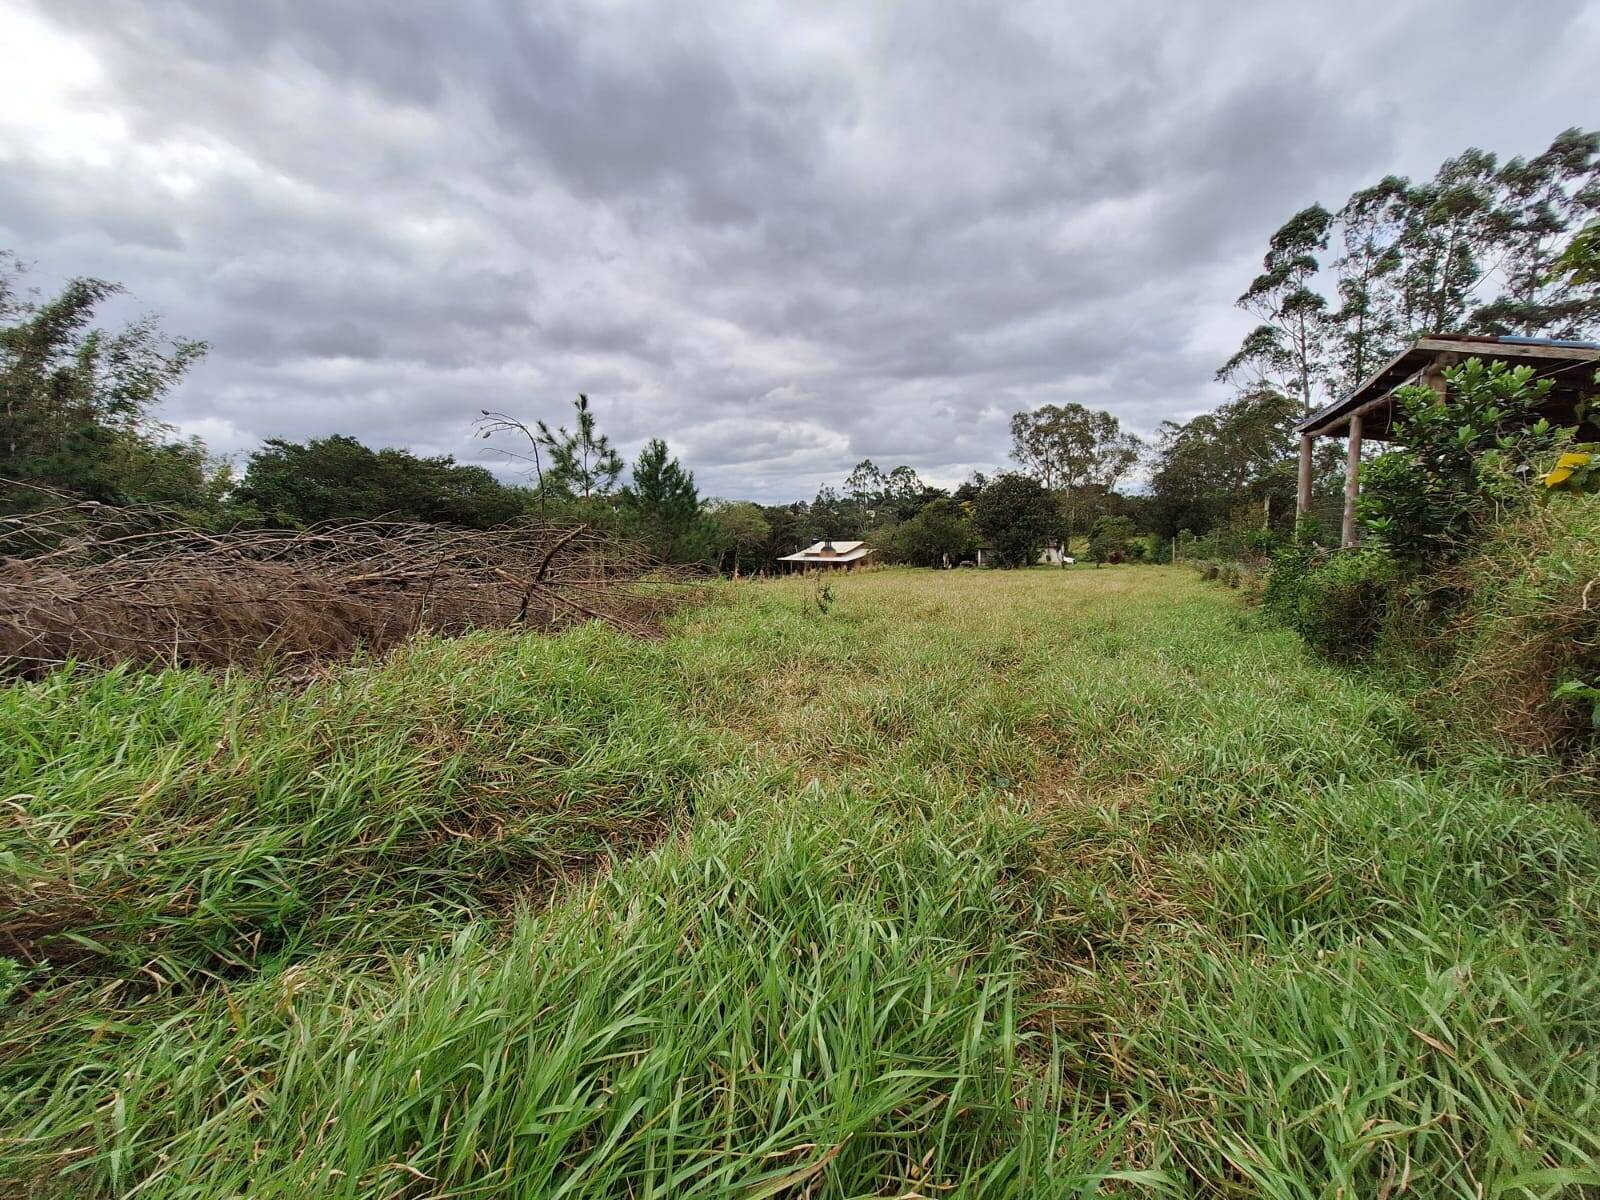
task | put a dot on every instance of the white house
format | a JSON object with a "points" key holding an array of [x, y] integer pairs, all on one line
{"points": [[830, 555]]}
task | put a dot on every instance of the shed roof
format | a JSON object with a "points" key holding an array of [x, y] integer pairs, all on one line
{"points": [[1571, 364]]}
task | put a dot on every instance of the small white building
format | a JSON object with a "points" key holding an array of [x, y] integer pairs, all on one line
{"points": [[829, 555], [1052, 556]]}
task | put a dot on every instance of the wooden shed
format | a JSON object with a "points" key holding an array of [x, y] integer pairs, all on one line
{"points": [[1367, 413]]}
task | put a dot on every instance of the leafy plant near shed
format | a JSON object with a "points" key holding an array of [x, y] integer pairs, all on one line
{"points": [[1462, 462]]}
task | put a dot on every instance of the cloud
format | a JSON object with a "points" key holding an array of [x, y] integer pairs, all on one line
{"points": [[782, 238]]}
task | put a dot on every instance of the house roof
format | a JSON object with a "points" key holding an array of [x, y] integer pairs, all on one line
{"points": [[1570, 364], [841, 552]]}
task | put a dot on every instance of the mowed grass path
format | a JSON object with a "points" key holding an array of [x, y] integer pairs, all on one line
{"points": [[1050, 883]]}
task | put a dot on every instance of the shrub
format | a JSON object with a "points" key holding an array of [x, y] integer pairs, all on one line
{"points": [[1344, 601], [1336, 601], [1111, 540], [1465, 461], [1286, 579]]}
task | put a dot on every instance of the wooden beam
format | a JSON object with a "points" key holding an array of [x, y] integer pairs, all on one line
{"points": [[1352, 482], [1466, 347], [1434, 353], [1302, 503]]}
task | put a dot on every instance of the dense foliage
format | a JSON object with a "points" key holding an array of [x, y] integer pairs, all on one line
{"points": [[76, 404], [1336, 601], [1111, 540], [1016, 515], [939, 535], [1235, 457], [1460, 461], [301, 483]]}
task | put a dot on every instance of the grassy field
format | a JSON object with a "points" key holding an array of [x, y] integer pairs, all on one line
{"points": [[1048, 883]]}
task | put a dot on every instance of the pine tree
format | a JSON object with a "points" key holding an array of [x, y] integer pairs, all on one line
{"points": [[663, 500], [582, 462]]}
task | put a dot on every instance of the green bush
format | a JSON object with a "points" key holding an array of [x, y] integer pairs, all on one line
{"points": [[1464, 462], [1336, 601], [1111, 540], [1286, 578]]}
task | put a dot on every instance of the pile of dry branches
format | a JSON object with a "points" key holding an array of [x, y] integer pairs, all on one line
{"points": [[91, 583]]}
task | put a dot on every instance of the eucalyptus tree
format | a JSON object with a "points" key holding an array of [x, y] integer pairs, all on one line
{"points": [[1540, 200], [1365, 328], [865, 484], [1069, 448], [1286, 349], [1444, 243]]}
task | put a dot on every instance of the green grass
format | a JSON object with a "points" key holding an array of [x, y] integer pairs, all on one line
{"points": [[1046, 883]]}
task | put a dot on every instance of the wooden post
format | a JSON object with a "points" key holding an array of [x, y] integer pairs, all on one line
{"points": [[1433, 376], [1352, 482], [1303, 499]]}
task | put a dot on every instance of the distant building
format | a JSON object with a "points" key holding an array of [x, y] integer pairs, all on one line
{"points": [[1051, 556], [829, 555]]}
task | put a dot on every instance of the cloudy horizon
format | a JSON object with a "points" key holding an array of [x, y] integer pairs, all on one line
{"points": [[782, 239]]}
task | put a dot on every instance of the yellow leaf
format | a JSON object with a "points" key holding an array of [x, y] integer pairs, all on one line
{"points": [[1565, 466]]}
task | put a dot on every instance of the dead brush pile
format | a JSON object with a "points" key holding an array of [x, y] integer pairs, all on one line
{"points": [[91, 583]]}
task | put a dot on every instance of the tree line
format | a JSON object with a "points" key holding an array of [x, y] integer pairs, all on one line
{"points": [[1474, 248], [77, 420]]}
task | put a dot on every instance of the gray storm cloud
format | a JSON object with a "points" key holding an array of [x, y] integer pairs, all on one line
{"points": [[783, 237]]}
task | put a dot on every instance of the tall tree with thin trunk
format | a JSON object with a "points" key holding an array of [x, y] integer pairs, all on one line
{"points": [[1538, 201], [1365, 329], [1286, 349], [1447, 229]]}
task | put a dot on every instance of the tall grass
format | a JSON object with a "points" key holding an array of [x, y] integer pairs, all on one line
{"points": [[1045, 883]]}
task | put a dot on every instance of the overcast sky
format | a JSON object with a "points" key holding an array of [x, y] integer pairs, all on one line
{"points": [[784, 237]]}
